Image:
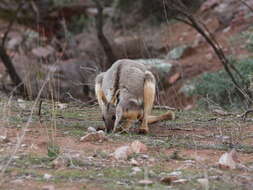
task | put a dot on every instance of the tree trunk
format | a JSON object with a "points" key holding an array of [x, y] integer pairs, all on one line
{"points": [[12, 72], [43, 16]]}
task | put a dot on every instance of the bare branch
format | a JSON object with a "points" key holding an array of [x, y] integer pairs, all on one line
{"points": [[100, 34], [247, 5], [11, 23], [183, 15], [7, 61]]}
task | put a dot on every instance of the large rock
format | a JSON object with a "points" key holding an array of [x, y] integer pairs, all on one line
{"points": [[161, 68], [43, 52], [63, 80], [179, 52]]}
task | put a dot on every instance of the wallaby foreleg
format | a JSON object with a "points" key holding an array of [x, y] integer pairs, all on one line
{"points": [[148, 100]]}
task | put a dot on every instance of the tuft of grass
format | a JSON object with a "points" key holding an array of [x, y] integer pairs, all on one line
{"points": [[53, 150]]}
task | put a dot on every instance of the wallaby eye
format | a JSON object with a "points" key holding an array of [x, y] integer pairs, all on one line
{"points": [[113, 117]]}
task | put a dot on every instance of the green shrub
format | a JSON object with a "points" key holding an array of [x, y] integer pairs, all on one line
{"points": [[219, 88], [248, 36]]}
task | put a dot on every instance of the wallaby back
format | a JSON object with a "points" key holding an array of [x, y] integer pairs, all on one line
{"points": [[125, 75]]}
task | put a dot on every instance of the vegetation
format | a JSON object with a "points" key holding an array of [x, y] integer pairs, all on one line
{"points": [[218, 88]]}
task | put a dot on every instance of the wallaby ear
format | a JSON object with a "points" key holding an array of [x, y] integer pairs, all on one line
{"points": [[104, 98], [114, 98], [99, 91], [119, 114]]}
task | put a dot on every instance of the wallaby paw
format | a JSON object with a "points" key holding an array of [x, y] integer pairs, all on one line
{"points": [[143, 131], [170, 115]]}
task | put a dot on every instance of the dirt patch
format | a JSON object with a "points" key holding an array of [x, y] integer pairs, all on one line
{"points": [[190, 145]]}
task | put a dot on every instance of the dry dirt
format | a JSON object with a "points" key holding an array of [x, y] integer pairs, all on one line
{"points": [[191, 145]]}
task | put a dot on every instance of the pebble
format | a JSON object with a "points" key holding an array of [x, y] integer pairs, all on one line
{"points": [[145, 182], [91, 129], [48, 187], [47, 176]]}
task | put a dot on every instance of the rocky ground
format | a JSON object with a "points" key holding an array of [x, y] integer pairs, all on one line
{"points": [[51, 150], [47, 147]]}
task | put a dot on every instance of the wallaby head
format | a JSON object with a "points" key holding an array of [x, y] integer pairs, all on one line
{"points": [[109, 111], [126, 107], [109, 116]]}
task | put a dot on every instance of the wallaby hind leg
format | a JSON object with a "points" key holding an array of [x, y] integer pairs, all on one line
{"points": [[148, 100], [166, 116]]}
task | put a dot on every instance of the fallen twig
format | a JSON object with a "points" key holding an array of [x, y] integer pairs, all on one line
{"points": [[245, 114]]}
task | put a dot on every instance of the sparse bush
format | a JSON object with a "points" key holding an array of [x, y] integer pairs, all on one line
{"points": [[248, 36], [151, 11], [219, 88]]}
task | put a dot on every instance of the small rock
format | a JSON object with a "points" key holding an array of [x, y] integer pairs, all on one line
{"points": [[59, 163], [91, 11], [227, 29], [91, 129], [134, 162], [47, 176], [62, 106], [243, 167], [94, 137], [48, 187], [136, 169], [21, 103], [101, 132], [228, 160], [144, 156], [168, 179], [145, 182], [138, 147], [189, 161], [100, 175], [152, 173], [18, 181], [175, 173], [204, 182], [225, 139], [43, 52], [178, 52], [4, 139], [152, 159], [180, 181], [122, 153], [209, 56], [199, 158], [23, 145], [14, 42], [220, 112]]}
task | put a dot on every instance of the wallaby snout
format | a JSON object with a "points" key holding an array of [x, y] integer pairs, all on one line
{"points": [[109, 117]]}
